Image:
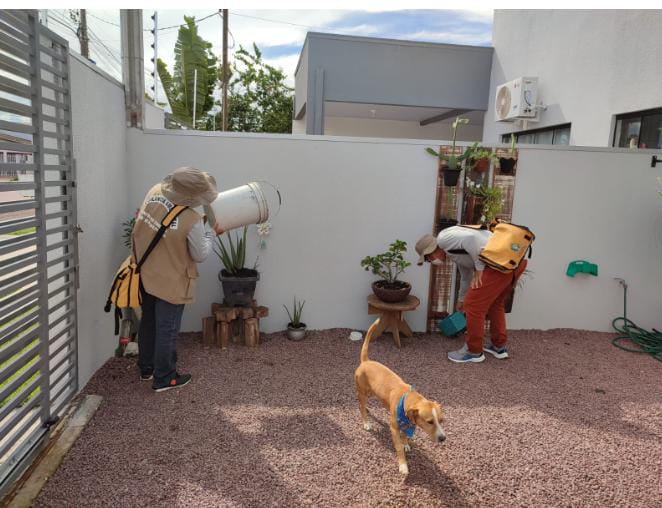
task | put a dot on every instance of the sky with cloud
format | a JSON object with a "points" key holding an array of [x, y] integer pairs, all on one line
{"points": [[278, 33]]}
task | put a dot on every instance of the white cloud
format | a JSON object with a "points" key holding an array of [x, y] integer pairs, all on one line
{"points": [[451, 37]]}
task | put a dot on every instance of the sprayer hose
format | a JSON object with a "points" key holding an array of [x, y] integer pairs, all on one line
{"points": [[640, 340]]}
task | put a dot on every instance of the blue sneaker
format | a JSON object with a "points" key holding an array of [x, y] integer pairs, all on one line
{"points": [[497, 352], [463, 355]]}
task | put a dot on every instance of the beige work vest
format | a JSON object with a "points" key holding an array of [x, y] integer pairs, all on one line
{"points": [[169, 272]]}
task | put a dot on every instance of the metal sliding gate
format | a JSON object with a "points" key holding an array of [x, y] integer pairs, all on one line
{"points": [[38, 244]]}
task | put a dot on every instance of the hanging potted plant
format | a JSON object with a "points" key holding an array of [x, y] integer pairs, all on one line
{"points": [[451, 165], [489, 199], [389, 265], [480, 158], [507, 164], [238, 281], [296, 330]]}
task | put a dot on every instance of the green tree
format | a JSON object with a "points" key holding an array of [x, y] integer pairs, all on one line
{"points": [[191, 52], [259, 100]]}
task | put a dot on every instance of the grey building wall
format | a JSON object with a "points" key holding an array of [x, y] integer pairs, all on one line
{"points": [[384, 71]]}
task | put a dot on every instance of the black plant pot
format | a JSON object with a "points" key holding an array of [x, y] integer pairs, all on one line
{"points": [[507, 165], [446, 223], [451, 176], [239, 290], [397, 293]]}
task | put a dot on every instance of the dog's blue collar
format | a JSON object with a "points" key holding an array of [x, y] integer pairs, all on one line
{"points": [[406, 427]]}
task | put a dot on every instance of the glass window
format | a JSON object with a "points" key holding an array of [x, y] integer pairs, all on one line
{"points": [[651, 131], [639, 130], [562, 136], [544, 137], [557, 135]]}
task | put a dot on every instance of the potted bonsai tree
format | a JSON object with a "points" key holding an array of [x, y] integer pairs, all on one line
{"points": [[389, 266], [451, 165], [238, 281], [507, 164], [296, 330]]}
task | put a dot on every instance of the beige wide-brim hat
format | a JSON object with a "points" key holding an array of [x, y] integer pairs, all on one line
{"points": [[189, 187], [426, 245]]}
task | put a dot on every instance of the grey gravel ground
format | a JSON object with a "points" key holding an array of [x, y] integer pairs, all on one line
{"points": [[569, 420]]}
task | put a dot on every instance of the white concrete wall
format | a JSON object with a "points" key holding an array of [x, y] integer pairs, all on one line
{"points": [[591, 65], [99, 141], [597, 205], [376, 128], [154, 116], [343, 199]]}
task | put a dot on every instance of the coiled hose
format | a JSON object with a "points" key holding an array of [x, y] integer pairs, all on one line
{"points": [[640, 339]]}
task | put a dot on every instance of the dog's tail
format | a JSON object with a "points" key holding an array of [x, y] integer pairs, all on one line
{"points": [[366, 341]]}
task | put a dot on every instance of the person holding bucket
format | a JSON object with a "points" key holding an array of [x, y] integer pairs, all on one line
{"points": [[483, 290], [168, 277]]}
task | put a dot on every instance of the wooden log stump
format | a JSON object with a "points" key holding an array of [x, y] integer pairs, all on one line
{"points": [[209, 330], [223, 334], [251, 332]]}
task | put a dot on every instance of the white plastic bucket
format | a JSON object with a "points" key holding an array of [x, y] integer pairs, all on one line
{"points": [[239, 207]]}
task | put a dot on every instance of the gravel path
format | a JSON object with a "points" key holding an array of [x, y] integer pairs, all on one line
{"points": [[569, 420]]}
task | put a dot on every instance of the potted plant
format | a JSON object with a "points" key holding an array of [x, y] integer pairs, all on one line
{"points": [[296, 330], [238, 281], [489, 199], [480, 157], [451, 165], [389, 265], [507, 164]]}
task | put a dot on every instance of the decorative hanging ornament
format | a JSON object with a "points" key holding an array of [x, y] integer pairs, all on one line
{"points": [[263, 231]]}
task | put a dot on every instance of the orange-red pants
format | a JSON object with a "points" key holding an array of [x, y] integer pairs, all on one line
{"points": [[488, 301]]}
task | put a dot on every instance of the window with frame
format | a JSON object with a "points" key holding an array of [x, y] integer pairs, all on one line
{"points": [[556, 135], [642, 129]]}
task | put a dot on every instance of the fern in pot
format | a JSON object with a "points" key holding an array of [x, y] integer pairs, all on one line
{"points": [[238, 281], [389, 266], [296, 329]]}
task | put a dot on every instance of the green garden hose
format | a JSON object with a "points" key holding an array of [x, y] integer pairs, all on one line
{"points": [[642, 340]]}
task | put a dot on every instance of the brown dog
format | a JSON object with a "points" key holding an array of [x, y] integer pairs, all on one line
{"points": [[407, 408]]}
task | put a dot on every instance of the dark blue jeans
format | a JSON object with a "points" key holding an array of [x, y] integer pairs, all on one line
{"points": [[157, 338]]}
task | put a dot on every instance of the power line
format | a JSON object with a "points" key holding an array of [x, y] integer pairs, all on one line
{"points": [[281, 22], [102, 19], [184, 24]]}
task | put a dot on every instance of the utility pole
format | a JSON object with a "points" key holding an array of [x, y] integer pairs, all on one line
{"points": [[82, 35], [225, 70], [79, 16], [195, 93], [133, 75], [155, 47]]}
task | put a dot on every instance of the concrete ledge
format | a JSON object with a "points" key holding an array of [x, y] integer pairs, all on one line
{"points": [[47, 464]]}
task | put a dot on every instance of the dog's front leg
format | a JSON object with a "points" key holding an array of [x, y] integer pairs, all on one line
{"points": [[405, 442], [399, 449]]}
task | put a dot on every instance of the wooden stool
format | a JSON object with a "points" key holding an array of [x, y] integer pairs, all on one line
{"points": [[391, 316], [236, 323]]}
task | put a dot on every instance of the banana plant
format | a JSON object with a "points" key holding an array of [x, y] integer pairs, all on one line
{"points": [[454, 161], [192, 53]]}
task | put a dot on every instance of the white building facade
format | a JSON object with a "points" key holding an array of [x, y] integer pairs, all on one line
{"points": [[598, 71]]}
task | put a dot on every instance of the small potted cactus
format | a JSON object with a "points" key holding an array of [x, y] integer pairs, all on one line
{"points": [[296, 330]]}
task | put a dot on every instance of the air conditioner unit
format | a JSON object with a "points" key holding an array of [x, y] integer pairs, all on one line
{"points": [[516, 99]]}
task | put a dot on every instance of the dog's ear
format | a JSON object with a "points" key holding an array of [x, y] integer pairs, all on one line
{"points": [[412, 414]]}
